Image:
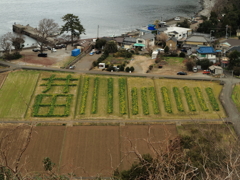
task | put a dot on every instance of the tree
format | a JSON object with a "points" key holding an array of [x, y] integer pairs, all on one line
{"points": [[166, 49], [5, 42], [72, 25], [48, 165], [190, 64], [111, 47], [205, 63], [46, 29], [161, 38], [100, 43], [156, 23], [234, 58], [184, 24]]}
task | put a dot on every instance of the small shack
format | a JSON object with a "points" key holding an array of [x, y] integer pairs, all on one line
{"points": [[76, 52], [154, 54], [216, 69]]}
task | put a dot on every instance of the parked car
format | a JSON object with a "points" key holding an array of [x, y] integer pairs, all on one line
{"points": [[98, 52], [206, 72], [35, 49], [42, 55], [72, 67], [54, 50], [181, 73], [183, 50], [91, 53]]}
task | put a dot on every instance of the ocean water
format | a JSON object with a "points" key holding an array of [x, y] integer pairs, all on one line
{"points": [[114, 17]]}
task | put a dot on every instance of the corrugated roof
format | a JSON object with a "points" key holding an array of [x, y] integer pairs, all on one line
{"points": [[147, 36], [206, 50], [196, 39]]}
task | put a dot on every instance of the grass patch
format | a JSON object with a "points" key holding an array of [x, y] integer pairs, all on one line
{"points": [[174, 60], [236, 96], [16, 92]]}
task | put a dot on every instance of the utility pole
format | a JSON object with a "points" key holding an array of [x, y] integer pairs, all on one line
{"points": [[97, 31], [226, 31]]}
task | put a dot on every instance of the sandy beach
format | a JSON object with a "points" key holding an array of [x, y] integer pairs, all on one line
{"points": [[207, 7]]}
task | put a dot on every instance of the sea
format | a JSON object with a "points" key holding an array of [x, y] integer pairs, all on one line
{"points": [[98, 17]]}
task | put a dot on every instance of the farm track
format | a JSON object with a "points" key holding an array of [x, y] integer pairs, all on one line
{"points": [[225, 97]]}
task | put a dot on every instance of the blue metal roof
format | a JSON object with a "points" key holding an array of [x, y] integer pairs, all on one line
{"points": [[206, 50]]}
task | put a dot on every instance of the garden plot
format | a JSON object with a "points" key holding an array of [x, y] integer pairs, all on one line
{"points": [[102, 97], [16, 94], [55, 96], [184, 99], [142, 98]]}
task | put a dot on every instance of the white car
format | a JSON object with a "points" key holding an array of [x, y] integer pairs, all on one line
{"points": [[54, 50]]}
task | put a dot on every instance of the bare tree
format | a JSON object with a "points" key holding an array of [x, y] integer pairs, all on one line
{"points": [[46, 29], [161, 38], [5, 42]]}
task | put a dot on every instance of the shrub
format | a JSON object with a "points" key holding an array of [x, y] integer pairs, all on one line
{"points": [[127, 69], [131, 68], [182, 54]]}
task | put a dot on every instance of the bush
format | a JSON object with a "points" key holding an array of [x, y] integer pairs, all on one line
{"points": [[190, 64], [127, 69], [182, 54], [15, 55], [131, 68]]}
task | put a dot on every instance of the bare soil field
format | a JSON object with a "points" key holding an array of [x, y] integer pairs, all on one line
{"points": [[85, 150]]}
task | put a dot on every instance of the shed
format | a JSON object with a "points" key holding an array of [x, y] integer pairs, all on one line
{"points": [[154, 54], [76, 52], [216, 69]]}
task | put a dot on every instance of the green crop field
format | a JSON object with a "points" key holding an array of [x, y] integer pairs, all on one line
{"points": [[236, 96], [73, 96], [16, 93]]}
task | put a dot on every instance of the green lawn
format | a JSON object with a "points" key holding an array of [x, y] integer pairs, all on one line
{"points": [[174, 60], [16, 94], [236, 96]]}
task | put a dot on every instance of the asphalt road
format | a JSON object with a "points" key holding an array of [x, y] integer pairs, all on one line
{"points": [[225, 97]]}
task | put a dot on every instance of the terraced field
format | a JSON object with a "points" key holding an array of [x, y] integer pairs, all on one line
{"points": [[71, 96]]}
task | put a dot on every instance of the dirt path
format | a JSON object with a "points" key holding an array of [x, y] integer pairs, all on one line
{"points": [[141, 63]]}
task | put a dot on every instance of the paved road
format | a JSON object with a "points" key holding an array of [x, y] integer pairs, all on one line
{"points": [[229, 82]]}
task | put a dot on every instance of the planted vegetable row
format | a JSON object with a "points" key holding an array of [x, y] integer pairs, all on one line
{"points": [[166, 100], [188, 96], [95, 96], [178, 99], [134, 101], [200, 99], [122, 95], [212, 99], [144, 100], [110, 96], [153, 98], [84, 95]]}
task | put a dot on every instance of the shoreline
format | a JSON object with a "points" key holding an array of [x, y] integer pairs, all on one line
{"points": [[207, 6]]}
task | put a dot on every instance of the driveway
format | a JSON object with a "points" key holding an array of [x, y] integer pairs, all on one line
{"points": [[86, 62]]}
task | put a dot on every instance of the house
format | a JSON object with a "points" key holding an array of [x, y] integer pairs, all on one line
{"points": [[224, 61], [119, 41], [231, 49], [216, 69], [128, 42], [172, 43], [145, 41], [195, 41], [179, 33], [206, 52]]}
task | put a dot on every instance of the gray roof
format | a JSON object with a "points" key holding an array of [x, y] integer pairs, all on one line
{"points": [[232, 42], [172, 38], [237, 48], [197, 39], [147, 36], [129, 39]]}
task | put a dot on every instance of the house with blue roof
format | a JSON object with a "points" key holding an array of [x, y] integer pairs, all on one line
{"points": [[207, 52]]}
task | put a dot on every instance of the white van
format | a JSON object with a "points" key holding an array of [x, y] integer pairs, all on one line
{"points": [[195, 69]]}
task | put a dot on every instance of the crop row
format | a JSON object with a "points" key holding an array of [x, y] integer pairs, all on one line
{"points": [[134, 101], [178, 99], [122, 95], [212, 99], [110, 96], [144, 100], [166, 100], [95, 96], [52, 105], [189, 99], [153, 98], [84, 95], [200, 98]]}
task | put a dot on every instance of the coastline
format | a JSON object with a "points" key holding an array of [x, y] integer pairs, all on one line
{"points": [[207, 6]]}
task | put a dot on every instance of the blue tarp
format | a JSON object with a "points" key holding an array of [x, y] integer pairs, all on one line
{"points": [[75, 52], [151, 27]]}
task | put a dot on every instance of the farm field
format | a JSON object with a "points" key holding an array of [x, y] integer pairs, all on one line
{"points": [[86, 150], [62, 96], [16, 93], [236, 96]]}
